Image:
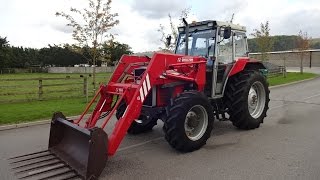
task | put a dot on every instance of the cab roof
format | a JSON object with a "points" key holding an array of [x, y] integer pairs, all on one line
{"points": [[218, 24]]}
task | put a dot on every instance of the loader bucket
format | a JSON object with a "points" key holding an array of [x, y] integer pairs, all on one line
{"points": [[84, 150], [73, 152]]}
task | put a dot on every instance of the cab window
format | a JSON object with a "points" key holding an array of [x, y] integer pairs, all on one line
{"points": [[225, 49], [240, 44]]}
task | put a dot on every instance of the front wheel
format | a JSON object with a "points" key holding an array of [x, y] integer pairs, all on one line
{"points": [[247, 98], [190, 121]]}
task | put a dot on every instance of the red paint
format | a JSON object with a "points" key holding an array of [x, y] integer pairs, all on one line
{"points": [[240, 64], [161, 69]]}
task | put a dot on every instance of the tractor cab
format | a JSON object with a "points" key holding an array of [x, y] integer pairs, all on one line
{"points": [[220, 43]]}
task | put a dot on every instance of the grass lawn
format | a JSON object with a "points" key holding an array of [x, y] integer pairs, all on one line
{"points": [[291, 77], [11, 113], [38, 110], [27, 90]]}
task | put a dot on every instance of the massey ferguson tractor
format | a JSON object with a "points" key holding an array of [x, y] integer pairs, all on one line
{"points": [[209, 77]]}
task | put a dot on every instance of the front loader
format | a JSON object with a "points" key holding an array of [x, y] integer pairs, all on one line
{"points": [[209, 77]]}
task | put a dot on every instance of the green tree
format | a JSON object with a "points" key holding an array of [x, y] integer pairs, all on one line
{"points": [[279, 43], [113, 51], [303, 44], [284, 43], [4, 44], [91, 30], [264, 41], [60, 56], [315, 45]]}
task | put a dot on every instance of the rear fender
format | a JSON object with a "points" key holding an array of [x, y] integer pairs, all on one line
{"points": [[245, 63]]}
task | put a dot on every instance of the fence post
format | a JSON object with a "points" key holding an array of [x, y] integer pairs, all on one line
{"points": [[310, 56], [85, 87], [40, 92]]}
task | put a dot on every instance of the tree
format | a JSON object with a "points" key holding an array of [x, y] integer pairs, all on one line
{"points": [[302, 45], [91, 30], [173, 28], [3, 42], [279, 43], [113, 51], [60, 56], [315, 45], [264, 41], [3, 52]]}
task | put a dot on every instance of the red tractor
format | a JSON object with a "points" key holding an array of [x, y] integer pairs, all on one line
{"points": [[210, 77]]}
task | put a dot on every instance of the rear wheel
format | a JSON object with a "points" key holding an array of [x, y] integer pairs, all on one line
{"points": [[144, 125], [190, 122], [247, 99]]}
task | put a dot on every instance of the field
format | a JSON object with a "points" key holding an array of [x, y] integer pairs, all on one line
{"points": [[25, 87], [19, 98], [70, 101]]}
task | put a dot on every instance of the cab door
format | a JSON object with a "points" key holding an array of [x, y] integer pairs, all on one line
{"points": [[228, 51], [224, 60]]}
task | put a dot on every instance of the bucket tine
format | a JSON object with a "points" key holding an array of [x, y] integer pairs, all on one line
{"points": [[44, 170], [33, 163], [57, 175], [28, 159], [37, 167], [28, 154], [72, 177]]}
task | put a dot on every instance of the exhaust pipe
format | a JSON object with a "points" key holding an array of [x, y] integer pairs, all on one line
{"points": [[79, 151], [187, 35]]}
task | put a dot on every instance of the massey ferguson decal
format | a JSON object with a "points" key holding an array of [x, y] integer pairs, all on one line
{"points": [[185, 59]]}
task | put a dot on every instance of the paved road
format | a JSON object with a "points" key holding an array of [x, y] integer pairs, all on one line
{"points": [[286, 146]]}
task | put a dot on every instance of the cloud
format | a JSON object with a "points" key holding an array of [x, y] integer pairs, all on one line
{"points": [[304, 19], [32, 23], [158, 8]]}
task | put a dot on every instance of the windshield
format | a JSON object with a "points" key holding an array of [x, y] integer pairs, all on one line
{"points": [[200, 43]]}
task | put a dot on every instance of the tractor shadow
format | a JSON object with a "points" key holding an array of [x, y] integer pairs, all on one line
{"points": [[290, 114], [223, 127], [129, 161]]}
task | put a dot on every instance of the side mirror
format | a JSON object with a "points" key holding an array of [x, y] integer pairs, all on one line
{"points": [[227, 33], [168, 40]]}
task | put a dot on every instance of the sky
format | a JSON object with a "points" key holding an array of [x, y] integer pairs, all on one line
{"points": [[32, 23]]}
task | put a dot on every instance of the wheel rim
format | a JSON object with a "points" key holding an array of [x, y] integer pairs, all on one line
{"points": [[196, 122], [256, 99]]}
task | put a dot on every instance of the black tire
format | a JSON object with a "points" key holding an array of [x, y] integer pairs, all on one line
{"points": [[174, 125], [135, 128], [236, 99]]}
